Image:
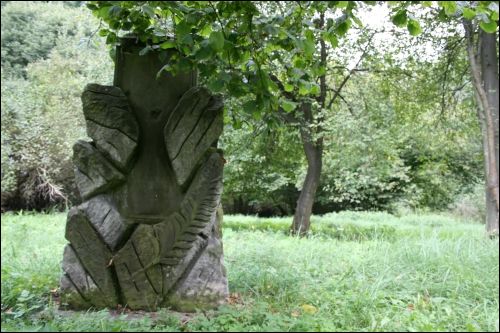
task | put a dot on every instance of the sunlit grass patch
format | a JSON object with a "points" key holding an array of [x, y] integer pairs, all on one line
{"points": [[432, 273]]}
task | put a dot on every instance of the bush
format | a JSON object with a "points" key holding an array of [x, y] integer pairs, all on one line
{"points": [[471, 205], [41, 113], [30, 30]]}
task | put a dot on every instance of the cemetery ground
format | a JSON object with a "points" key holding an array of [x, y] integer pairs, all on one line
{"points": [[357, 271]]}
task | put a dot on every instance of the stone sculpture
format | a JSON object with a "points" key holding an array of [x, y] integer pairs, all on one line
{"points": [[148, 231]]}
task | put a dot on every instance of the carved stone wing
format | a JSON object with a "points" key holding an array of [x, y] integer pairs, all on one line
{"points": [[194, 125]]}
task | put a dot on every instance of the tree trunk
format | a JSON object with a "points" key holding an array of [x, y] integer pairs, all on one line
{"points": [[489, 71], [484, 72], [314, 154], [313, 148]]}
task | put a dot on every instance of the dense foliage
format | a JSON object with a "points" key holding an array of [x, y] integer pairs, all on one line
{"points": [[390, 142], [41, 107]]}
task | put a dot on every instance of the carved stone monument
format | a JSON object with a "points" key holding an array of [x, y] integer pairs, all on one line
{"points": [[148, 232]]}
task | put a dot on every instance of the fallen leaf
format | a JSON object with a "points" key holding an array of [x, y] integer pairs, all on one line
{"points": [[234, 298], [309, 308]]}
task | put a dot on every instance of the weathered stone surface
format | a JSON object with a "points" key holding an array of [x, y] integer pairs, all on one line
{"points": [[93, 173], [205, 285], [174, 243], [106, 220], [138, 273], [195, 124], [77, 287], [110, 123], [192, 220], [93, 254], [147, 234]]}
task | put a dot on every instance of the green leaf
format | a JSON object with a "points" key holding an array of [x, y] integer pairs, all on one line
{"points": [[115, 11], [450, 7], [414, 27], [400, 18], [237, 124], [145, 50], [169, 44], [489, 27], [111, 38], [288, 105], [103, 32], [216, 85], [357, 21], [257, 115], [216, 40], [315, 90], [288, 87], [205, 32], [342, 4], [342, 28], [104, 12], [331, 38], [148, 10], [304, 87], [182, 29], [306, 46], [469, 13], [249, 107], [205, 52]]}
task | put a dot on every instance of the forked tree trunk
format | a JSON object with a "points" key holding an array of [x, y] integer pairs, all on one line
{"points": [[313, 149]]}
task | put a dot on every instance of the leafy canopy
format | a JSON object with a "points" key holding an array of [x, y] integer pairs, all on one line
{"points": [[266, 53]]}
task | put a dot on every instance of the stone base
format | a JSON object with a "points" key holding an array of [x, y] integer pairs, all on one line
{"points": [[203, 285]]}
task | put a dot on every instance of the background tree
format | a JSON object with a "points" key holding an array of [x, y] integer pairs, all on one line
{"points": [[277, 54], [399, 134], [274, 53], [484, 72], [479, 18]]}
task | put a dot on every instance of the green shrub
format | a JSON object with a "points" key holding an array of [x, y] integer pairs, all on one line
{"points": [[30, 30], [471, 205], [41, 113]]}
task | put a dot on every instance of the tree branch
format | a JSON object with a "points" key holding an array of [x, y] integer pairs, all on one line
{"points": [[346, 78], [349, 107]]}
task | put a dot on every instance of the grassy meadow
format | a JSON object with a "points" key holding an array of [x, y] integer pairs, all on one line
{"points": [[358, 271]]}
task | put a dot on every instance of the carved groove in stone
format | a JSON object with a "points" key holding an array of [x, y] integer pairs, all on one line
{"points": [[92, 253], [201, 201], [93, 173], [194, 125], [130, 241], [110, 122]]}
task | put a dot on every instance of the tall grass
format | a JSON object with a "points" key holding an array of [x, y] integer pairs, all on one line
{"points": [[431, 273]]}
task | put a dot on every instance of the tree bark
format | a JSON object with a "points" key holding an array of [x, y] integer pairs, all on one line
{"points": [[484, 72], [489, 71], [313, 149]]}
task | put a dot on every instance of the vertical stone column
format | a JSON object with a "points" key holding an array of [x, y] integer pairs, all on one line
{"points": [[148, 231]]}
